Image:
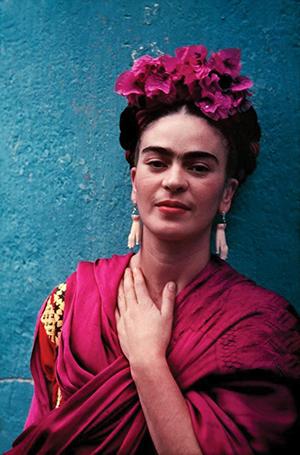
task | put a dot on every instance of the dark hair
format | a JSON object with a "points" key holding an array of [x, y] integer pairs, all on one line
{"points": [[241, 131]]}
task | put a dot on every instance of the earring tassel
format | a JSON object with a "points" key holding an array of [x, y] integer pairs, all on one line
{"points": [[134, 237], [221, 243]]}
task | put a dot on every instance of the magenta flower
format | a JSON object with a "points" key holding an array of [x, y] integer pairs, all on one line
{"points": [[241, 83], [127, 84], [192, 63], [214, 103], [226, 61], [215, 106], [148, 77], [215, 86], [156, 83], [142, 65], [170, 64], [192, 55]]}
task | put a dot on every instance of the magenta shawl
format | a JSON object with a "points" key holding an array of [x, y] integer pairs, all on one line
{"points": [[234, 353]]}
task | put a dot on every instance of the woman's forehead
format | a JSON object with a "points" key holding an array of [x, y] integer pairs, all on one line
{"points": [[181, 133]]}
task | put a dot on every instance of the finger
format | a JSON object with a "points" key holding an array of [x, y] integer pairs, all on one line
{"points": [[168, 299], [118, 320], [141, 289], [129, 291], [121, 298]]}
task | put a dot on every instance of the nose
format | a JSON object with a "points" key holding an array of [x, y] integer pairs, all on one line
{"points": [[174, 179]]}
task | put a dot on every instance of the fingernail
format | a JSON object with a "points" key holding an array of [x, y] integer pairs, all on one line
{"points": [[172, 286]]}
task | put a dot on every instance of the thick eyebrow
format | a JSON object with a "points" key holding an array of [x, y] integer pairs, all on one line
{"points": [[186, 156]]}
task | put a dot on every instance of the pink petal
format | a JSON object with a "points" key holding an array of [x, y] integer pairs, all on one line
{"points": [[227, 61], [169, 63], [126, 84], [241, 83], [141, 64], [155, 83]]}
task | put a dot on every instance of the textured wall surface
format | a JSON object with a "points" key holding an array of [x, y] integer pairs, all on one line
{"points": [[64, 183]]}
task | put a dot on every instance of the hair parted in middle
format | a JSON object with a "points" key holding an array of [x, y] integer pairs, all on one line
{"points": [[241, 132]]}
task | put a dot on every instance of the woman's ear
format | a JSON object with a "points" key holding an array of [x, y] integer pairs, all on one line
{"points": [[230, 188], [133, 190]]}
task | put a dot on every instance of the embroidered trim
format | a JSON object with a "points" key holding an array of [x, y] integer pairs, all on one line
{"points": [[52, 317]]}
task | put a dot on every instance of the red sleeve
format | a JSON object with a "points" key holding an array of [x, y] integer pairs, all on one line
{"points": [[46, 394], [48, 354], [49, 331], [48, 337]]}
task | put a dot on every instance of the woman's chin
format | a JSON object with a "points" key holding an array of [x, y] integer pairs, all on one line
{"points": [[176, 232], [169, 234]]}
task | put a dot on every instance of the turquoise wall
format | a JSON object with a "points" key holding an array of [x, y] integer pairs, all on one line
{"points": [[64, 182]]}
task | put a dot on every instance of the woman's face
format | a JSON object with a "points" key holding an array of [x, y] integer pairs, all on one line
{"points": [[179, 182]]}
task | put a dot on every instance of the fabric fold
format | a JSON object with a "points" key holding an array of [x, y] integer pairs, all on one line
{"points": [[239, 398]]}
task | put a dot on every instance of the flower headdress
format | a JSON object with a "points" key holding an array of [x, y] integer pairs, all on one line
{"points": [[213, 84]]}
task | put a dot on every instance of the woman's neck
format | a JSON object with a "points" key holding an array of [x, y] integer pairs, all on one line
{"points": [[163, 261]]}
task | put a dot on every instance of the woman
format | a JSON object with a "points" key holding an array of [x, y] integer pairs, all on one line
{"points": [[170, 350]]}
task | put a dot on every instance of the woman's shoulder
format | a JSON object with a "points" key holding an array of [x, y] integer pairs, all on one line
{"points": [[113, 262], [262, 328], [244, 292], [91, 268], [86, 280]]}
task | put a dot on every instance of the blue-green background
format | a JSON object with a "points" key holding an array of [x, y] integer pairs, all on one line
{"points": [[64, 182]]}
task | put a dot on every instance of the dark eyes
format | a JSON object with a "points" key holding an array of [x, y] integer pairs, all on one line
{"points": [[197, 168], [156, 164]]}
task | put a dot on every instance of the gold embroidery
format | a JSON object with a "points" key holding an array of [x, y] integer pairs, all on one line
{"points": [[52, 317]]}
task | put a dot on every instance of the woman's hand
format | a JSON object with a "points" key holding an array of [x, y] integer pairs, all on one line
{"points": [[144, 331]]}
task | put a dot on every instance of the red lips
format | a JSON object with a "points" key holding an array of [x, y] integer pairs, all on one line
{"points": [[172, 203]]}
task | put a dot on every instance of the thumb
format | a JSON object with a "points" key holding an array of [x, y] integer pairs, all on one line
{"points": [[168, 299]]}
